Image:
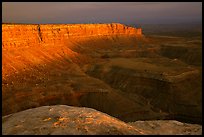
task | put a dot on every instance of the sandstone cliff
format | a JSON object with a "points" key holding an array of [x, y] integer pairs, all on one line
{"points": [[15, 35], [45, 65]]}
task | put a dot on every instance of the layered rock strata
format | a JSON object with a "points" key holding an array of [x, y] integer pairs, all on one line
{"points": [[42, 65], [14, 35], [43, 70], [168, 85]]}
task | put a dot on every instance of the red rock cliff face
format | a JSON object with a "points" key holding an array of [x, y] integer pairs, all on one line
{"points": [[37, 61], [27, 35]]}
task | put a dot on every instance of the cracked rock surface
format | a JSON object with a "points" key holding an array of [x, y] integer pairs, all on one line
{"points": [[68, 120], [64, 120]]}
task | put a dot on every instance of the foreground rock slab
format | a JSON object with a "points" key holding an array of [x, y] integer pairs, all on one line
{"points": [[64, 120], [68, 120]]}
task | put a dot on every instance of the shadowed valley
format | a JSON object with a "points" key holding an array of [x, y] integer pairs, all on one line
{"points": [[112, 68]]}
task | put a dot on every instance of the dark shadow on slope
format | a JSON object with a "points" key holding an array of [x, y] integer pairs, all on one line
{"points": [[61, 81]]}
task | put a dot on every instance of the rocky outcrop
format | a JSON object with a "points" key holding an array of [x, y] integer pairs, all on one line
{"points": [[16, 35], [39, 68], [64, 120], [67, 120], [50, 75], [44, 65]]}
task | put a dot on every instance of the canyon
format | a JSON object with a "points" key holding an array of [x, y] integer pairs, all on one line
{"points": [[112, 68]]}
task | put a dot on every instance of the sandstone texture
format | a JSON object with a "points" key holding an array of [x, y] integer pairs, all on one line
{"points": [[64, 120], [14, 35], [112, 68], [68, 120]]}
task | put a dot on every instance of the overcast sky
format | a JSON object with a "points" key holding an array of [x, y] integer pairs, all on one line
{"points": [[102, 12]]}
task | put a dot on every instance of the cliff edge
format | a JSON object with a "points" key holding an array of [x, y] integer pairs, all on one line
{"points": [[17, 35]]}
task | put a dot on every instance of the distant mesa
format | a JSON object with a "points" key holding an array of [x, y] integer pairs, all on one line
{"points": [[112, 68], [30, 34]]}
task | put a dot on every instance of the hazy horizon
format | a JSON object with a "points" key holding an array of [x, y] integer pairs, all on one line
{"points": [[102, 12]]}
